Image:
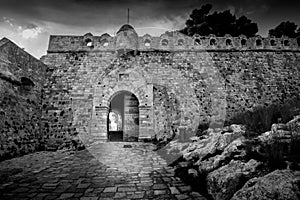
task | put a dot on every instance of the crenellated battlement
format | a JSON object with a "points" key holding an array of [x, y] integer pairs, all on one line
{"points": [[127, 38]]}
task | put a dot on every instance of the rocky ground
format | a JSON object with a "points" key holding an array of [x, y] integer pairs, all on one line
{"points": [[227, 164]]}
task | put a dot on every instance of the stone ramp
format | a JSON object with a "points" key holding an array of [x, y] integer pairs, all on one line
{"points": [[103, 171]]}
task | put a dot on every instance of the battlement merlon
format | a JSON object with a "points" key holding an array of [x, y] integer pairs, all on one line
{"points": [[127, 38]]}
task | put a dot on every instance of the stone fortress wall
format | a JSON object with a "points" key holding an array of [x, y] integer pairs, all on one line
{"points": [[180, 81], [21, 82]]}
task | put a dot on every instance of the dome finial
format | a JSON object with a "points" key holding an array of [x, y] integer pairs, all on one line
{"points": [[127, 15], [126, 27]]}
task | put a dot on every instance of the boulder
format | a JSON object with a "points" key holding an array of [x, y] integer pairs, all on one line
{"points": [[294, 126], [202, 148], [282, 131], [265, 137], [213, 144], [295, 121], [279, 126], [236, 128], [225, 181], [277, 185], [234, 149]]}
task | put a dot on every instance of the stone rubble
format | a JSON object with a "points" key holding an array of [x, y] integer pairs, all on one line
{"points": [[225, 181], [226, 161]]}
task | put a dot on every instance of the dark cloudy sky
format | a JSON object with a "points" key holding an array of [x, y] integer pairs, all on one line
{"points": [[30, 22]]}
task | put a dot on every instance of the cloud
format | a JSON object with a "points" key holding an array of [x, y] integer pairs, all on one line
{"points": [[232, 9], [30, 33], [100, 13], [159, 26], [38, 19], [9, 21], [27, 31]]}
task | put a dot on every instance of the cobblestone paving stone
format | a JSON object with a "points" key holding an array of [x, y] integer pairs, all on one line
{"points": [[103, 171]]}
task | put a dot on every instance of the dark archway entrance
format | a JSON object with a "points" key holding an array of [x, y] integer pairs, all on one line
{"points": [[123, 117]]}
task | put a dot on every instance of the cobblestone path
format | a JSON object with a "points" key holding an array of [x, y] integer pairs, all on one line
{"points": [[104, 171]]}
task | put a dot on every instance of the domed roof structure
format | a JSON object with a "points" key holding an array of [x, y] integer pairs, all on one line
{"points": [[126, 39], [88, 35], [126, 27], [105, 35]]}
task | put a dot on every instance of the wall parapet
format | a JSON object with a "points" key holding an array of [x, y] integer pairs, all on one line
{"points": [[169, 41]]}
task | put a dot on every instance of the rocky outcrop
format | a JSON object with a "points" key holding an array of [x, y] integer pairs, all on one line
{"points": [[278, 131], [295, 122], [233, 150], [282, 131], [210, 151], [214, 143], [278, 185], [225, 181], [223, 160]]}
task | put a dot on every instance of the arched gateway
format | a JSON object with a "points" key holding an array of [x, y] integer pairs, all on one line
{"points": [[123, 108], [123, 117]]}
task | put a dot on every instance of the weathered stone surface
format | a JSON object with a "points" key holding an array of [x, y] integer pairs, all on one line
{"points": [[225, 181], [282, 131], [179, 86], [278, 185], [234, 149], [214, 142], [295, 122], [235, 128], [21, 80], [176, 87], [5, 74]]}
